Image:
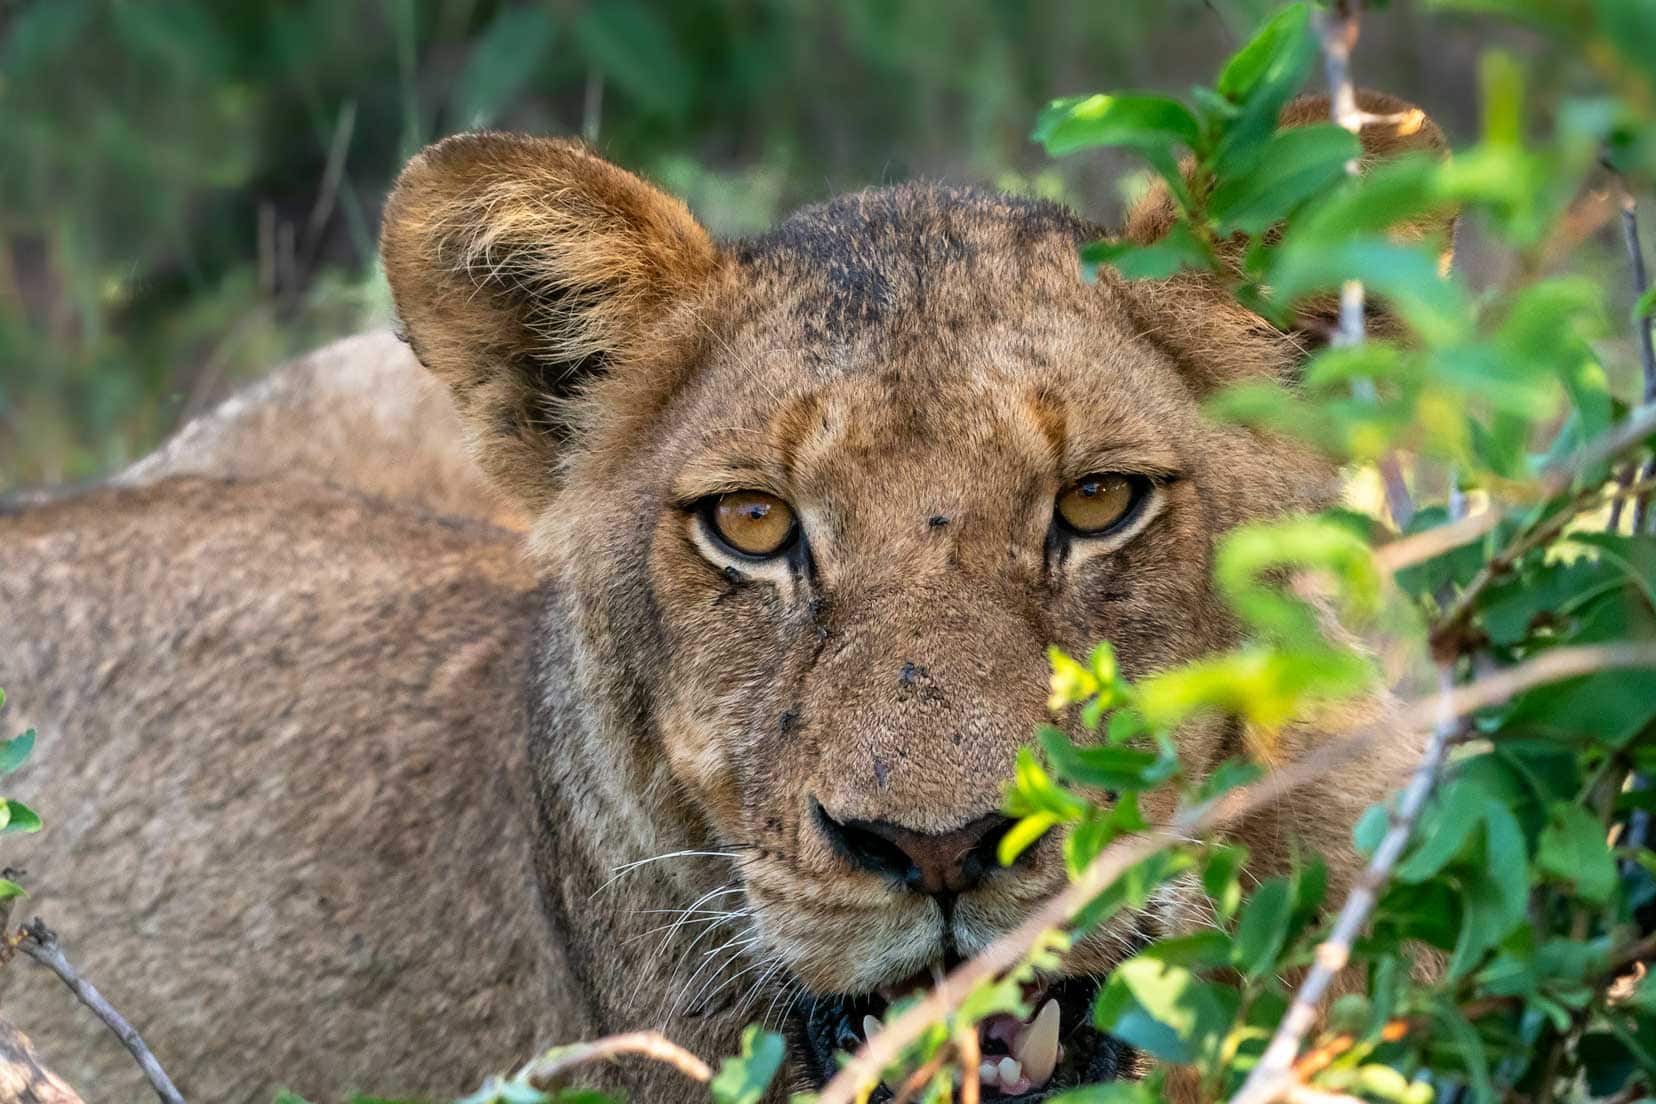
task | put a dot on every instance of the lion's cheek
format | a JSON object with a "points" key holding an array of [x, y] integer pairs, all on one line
{"points": [[700, 762]]}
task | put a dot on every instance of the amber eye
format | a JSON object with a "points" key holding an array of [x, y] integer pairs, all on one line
{"points": [[1094, 504], [752, 523]]}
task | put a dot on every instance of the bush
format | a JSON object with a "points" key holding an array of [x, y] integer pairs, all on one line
{"points": [[1502, 923]]}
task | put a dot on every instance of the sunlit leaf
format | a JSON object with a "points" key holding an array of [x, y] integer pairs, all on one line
{"points": [[1174, 251], [744, 1079]]}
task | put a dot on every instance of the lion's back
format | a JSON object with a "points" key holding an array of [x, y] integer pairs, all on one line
{"points": [[279, 732], [358, 413]]}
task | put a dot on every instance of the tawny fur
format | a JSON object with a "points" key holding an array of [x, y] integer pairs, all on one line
{"points": [[338, 790], [361, 413]]}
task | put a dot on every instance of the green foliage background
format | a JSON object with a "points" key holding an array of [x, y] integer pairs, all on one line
{"points": [[171, 220]]}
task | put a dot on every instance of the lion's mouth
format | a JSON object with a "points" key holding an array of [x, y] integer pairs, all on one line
{"points": [[1022, 1062]]}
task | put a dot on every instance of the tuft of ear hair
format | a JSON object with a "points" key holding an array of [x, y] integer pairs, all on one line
{"points": [[523, 268], [1193, 317]]}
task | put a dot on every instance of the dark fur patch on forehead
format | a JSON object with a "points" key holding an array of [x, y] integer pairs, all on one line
{"points": [[873, 254]]}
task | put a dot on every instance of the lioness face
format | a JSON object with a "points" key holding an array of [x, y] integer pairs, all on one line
{"points": [[818, 503]]}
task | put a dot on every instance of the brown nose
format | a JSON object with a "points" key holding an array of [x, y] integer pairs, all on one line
{"points": [[937, 863]]}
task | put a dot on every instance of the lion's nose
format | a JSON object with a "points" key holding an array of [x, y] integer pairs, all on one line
{"points": [[937, 863]]}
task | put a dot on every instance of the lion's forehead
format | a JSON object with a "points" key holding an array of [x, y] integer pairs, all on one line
{"points": [[890, 263]]}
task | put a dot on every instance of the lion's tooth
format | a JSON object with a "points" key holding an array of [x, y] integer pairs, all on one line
{"points": [[1010, 1070], [871, 1026], [989, 1072], [1037, 1048]]}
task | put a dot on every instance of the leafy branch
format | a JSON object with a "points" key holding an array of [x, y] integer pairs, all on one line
{"points": [[864, 1069]]}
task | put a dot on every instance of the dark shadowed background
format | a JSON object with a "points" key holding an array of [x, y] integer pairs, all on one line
{"points": [[190, 189]]}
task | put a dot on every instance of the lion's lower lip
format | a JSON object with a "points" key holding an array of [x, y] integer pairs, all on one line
{"points": [[827, 1024]]}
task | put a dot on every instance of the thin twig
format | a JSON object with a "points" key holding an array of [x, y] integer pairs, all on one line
{"points": [[918, 1080], [546, 1071], [1446, 635], [864, 1068], [1417, 548], [1274, 1074], [1338, 29], [971, 1058], [41, 944]]}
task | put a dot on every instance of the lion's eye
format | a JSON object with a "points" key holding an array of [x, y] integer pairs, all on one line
{"points": [[1095, 504], [752, 523]]}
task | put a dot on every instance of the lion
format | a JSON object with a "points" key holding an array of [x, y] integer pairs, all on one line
{"points": [[345, 792]]}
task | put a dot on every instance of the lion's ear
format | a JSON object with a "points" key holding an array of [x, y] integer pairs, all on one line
{"points": [[523, 267], [1195, 316]]}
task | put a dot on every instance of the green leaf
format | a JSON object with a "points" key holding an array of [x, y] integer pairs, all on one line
{"points": [[1163, 1009], [1541, 597], [1645, 305], [1370, 828], [1310, 886], [10, 889], [1105, 767], [1277, 40], [1469, 1046], [1200, 950], [1294, 165], [1406, 276], [1456, 813], [1222, 878], [1263, 928], [1098, 828], [1494, 894], [1229, 775], [1022, 835], [1574, 850], [1455, 567], [501, 63], [19, 818], [1071, 683], [1108, 1092], [744, 1079], [1032, 790], [1145, 123], [15, 751], [1173, 252], [497, 1090]]}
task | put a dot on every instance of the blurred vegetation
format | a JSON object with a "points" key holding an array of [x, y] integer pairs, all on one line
{"points": [[189, 189]]}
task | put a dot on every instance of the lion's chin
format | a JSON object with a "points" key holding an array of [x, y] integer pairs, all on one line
{"points": [[1022, 1062]]}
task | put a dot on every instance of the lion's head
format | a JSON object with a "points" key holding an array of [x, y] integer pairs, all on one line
{"points": [[816, 503]]}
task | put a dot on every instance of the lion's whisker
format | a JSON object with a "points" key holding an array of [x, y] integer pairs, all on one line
{"points": [[754, 990], [736, 944], [708, 918], [698, 1000], [769, 963], [786, 995], [618, 872]]}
